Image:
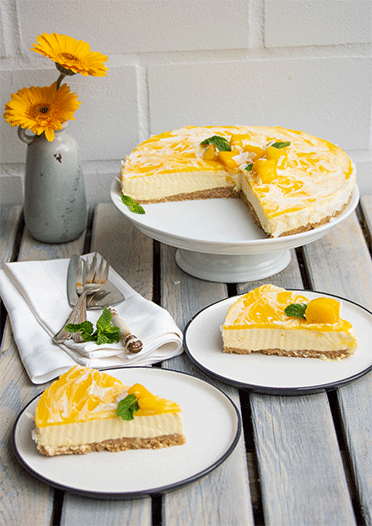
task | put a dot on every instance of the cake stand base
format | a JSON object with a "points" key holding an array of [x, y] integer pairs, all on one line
{"points": [[232, 268]]}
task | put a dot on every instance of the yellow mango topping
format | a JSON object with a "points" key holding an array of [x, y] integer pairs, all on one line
{"points": [[150, 404], [322, 310], [276, 153], [265, 169], [226, 158], [238, 138], [254, 149], [210, 153]]}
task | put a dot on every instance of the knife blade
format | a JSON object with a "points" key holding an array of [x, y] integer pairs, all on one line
{"points": [[109, 295]]}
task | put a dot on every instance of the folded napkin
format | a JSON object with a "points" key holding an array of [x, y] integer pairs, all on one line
{"points": [[34, 294]]}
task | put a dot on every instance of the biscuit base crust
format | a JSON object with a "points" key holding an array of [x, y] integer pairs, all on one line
{"points": [[114, 445], [303, 353]]}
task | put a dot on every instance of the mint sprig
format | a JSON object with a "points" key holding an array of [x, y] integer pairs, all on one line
{"points": [[127, 407], [280, 144], [249, 167], [104, 333], [296, 310], [132, 204], [220, 143]]}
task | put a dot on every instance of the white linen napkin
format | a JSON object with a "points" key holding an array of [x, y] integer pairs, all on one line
{"points": [[34, 294]]}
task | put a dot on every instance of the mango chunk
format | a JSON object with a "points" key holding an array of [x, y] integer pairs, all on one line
{"points": [[323, 310], [237, 139], [276, 153], [254, 149], [265, 169], [226, 158], [210, 153]]}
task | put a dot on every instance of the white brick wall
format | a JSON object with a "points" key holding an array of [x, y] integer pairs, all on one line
{"points": [[303, 64]]}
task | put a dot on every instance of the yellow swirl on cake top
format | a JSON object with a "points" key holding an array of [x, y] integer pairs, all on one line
{"points": [[84, 394], [264, 307]]}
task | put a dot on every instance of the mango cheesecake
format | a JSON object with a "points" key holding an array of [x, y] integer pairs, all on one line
{"points": [[291, 181], [272, 320], [87, 410]]}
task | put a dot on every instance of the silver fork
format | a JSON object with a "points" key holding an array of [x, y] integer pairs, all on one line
{"points": [[93, 281]]}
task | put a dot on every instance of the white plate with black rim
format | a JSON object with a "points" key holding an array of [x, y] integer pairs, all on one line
{"points": [[276, 374], [212, 427]]}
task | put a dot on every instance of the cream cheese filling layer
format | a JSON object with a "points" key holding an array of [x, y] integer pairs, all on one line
{"points": [[110, 428], [161, 186], [289, 340]]}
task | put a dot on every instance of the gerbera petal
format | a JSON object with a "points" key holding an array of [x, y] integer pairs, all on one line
{"points": [[72, 54], [41, 109]]}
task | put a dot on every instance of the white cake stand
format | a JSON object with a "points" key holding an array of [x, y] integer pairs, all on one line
{"points": [[217, 239]]}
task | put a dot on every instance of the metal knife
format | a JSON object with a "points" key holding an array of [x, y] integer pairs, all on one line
{"points": [[109, 295]]}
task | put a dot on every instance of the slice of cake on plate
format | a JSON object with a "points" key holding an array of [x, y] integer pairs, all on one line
{"points": [[272, 320], [291, 181], [88, 410]]}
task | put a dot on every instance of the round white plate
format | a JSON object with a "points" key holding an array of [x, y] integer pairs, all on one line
{"points": [[212, 427], [276, 374], [201, 225]]}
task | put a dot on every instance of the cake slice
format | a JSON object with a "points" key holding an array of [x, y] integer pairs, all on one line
{"points": [[272, 320], [291, 181], [87, 410]]}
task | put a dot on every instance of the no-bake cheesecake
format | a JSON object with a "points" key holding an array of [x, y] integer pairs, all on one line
{"points": [[291, 181], [88, 410], [272, 320]]}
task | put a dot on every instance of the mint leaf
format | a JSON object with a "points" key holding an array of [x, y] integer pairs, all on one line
{"points": [[132, 204], [296, 310], [219, 142], [104, 333], [249, 167], [280, 144], [85, 328], [127, 407]]}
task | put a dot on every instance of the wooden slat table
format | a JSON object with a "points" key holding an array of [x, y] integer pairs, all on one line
{"points": [[301, 460]]}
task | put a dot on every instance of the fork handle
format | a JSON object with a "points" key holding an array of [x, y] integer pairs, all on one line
{"points": [[77, 315]]}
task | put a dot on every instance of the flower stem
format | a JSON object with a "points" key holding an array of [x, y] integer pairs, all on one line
{"points": [[59, 81]]}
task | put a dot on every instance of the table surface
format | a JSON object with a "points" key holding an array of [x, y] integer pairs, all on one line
{"points": [[301, 460]]}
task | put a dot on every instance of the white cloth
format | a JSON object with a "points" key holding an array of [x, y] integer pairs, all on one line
{"points": [[34, 294]]}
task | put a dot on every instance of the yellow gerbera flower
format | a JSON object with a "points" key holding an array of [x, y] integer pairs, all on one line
{"points": [[41, 109], [71, 54]]}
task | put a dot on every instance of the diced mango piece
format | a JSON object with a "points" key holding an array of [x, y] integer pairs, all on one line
{"points": [[152, 403], [265, 169], [323, 310], [210, 153], [139, 391], [226, 158], [254, 149], [238, 138], [276, 153]]}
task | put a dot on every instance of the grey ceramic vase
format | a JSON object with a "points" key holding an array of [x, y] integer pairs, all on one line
{"points": [[55, 206]]}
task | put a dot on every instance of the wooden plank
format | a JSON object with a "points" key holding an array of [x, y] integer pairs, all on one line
{"points": [[9, 222], [295, 454], [130, 253], [340, 264], [222, 497], [35, 506]]}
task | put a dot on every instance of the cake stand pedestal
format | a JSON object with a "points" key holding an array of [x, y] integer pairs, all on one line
{"points": [[232, 268]]}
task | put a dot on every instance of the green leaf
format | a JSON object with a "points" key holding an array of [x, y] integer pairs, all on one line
{"points": [[280, 144], [127, 407], [132, 204], [104, 333], [249, 167], [296, 310], [219, 142]]}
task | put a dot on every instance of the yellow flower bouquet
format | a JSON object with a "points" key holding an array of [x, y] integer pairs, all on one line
{"points": [[45, 109]]}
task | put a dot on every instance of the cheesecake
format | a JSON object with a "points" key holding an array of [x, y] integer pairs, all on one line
{"points": [[273, 320], [291, 181], [87, 410]]}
